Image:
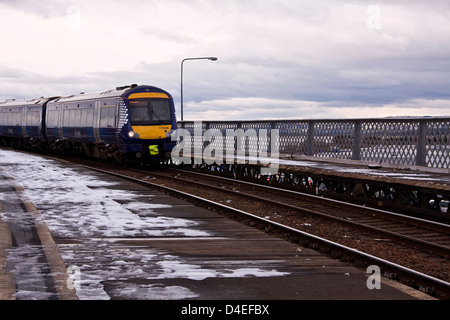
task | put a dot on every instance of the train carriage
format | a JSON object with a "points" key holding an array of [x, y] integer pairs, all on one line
{"points": [[21, 122]]}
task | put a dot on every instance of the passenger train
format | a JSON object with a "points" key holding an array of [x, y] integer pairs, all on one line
{"points": [[127, 124]]}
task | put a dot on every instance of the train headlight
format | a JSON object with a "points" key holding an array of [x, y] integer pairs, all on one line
{"points": [[133, 135], [169, 134]]}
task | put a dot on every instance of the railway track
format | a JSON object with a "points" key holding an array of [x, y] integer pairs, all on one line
{"points": [[376, 239], [429, 236]]}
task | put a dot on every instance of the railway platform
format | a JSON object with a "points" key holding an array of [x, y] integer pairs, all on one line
{"points": [[70, 233]]}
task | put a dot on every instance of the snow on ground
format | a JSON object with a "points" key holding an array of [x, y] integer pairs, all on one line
{"points": [[86, 207], [78, 206]]}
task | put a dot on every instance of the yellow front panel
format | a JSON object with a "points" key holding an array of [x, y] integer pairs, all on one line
{"points": [[152, 132], [144, 95]]}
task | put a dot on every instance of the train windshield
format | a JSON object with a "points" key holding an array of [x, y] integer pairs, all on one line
{"points": [[150, 112]]}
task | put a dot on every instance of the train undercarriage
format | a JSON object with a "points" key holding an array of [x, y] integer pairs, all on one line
{"points": [[106, 152]]}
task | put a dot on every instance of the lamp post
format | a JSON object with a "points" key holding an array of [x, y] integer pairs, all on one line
{"points": [[182, 65]]}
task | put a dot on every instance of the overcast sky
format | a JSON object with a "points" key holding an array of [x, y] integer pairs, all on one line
{"points": [[291, 59]]}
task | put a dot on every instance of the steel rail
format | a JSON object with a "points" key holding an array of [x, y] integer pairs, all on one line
{"points": [[438, 226], [426, 246]]}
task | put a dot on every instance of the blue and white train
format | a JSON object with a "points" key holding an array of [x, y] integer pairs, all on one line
{"points": [[127, 124]]}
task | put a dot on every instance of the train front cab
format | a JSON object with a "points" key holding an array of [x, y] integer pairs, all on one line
{"points": [[147, 135]]}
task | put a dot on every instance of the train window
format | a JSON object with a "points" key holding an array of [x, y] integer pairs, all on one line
{"points": [[87, 117], [77, 117], [33, 118], [68, 118], [14, 119], [149, 112], [108, 117], [52, 118]]}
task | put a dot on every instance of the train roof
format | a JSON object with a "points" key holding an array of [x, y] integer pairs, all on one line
{"points": [[23, 102], [113, 93], [119, 91]]}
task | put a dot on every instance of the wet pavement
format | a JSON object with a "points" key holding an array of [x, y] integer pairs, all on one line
{"points": [[112, 239], [33, 277]]}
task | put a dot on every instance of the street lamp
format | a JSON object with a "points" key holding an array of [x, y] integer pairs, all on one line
{"points": [[182, 65]]}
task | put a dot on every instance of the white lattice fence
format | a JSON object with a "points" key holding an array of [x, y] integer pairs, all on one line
{"points": [[408, 141]]}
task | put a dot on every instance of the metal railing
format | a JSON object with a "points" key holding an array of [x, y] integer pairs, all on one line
{"points": [[403, 141]]}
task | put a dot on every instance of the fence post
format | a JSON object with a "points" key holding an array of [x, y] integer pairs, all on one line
{"points": [[310, 139], [236, 142], [273, 126], [356, 153], [421, 159], [205, 127]]}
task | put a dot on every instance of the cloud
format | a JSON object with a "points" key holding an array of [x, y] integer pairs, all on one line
{"points": [[276, 109], [45, 9], [20, 84]]}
